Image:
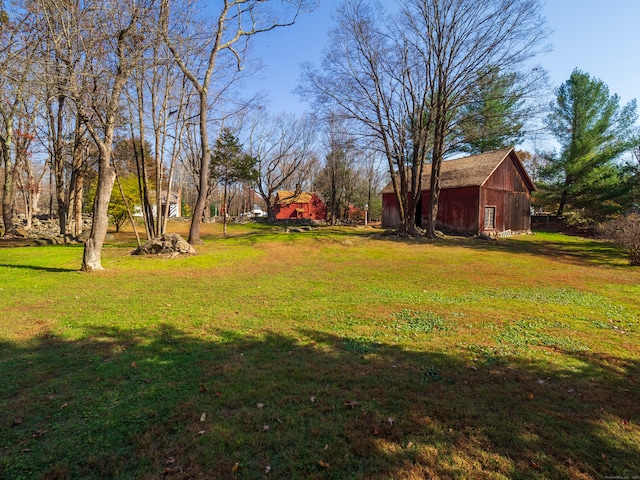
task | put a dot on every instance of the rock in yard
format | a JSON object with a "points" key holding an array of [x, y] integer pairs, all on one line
{"points": [[170, 244]]}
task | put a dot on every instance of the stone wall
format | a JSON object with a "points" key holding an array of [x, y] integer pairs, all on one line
{"points": [[47, 231]]}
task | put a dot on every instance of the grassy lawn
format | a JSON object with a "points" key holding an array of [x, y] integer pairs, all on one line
{"points": [[330, 354]]}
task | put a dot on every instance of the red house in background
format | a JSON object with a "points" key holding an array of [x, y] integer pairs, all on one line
{"points": [[488, 193], [299, 205]]}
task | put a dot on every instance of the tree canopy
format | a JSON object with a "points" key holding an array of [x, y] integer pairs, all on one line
{"points": [[494, 117], [593, 131]]}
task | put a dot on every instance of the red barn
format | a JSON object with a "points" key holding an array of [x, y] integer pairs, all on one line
{"points": [[488, 193], [299, 205]]}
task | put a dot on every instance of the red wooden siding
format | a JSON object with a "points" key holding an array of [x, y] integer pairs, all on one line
{"points": [[315, 209], [506, 190], [461, 208], [457, 209], [390, 210]]}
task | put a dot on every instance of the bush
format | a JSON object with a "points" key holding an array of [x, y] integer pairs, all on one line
{"points": [[625, 232]]}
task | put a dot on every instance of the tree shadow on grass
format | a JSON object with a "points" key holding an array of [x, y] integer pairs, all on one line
{"points": [[582, 252], [161, 404], [39, 268]]}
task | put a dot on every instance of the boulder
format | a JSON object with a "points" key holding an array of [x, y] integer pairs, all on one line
{"points": [[170, 244]]}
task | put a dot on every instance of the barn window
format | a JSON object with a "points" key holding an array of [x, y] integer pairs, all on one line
{"points": [[489, 218]]}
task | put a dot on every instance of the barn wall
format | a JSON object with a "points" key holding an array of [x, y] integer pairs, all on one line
{"points": [[506, 177], [457, 210], [506, 190], [390, 211], [513, 209]]}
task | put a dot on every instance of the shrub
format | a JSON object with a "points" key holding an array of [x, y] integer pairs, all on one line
{"points": [[625, 232]]}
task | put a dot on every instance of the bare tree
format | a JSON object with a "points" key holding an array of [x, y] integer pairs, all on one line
{"points": [[99, 44], [405, 77], [457, 43], [235, 23], [118, 41], [16, 66], [368, 78], [281, 145], [29, 174]]}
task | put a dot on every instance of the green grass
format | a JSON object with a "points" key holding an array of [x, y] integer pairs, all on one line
{"points": [[332, 354]]}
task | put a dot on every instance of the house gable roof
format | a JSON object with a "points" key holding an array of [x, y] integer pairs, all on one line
{"points": [[472, 171], [286, 197]]}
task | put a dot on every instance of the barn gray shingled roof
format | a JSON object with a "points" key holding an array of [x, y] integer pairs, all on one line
{"points": [[464, 172]]}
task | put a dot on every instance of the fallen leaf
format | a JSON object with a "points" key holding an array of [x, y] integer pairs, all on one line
{"points": [[313, 399], [39, 433], [351, 404], [324, 464], [202, 432], [203, 389], [376, 431], [390, 420], [134, 364], [265, 428], [235, 468], [326, 447], [267, 469], [218, 394], [259, 405], [533, 464], [530, 396], [17, 421], [203, 417], [410, 444], [64, 405], [170, 460]]}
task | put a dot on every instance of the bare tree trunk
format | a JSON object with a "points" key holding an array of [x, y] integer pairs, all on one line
{"points": [[58, 160], [9, 182], [436, 164], [76, 182], [224, 216], [203, 181], [92, 257]]}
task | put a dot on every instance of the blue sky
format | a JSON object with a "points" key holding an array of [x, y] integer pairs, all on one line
{"points": [[600, 37]]}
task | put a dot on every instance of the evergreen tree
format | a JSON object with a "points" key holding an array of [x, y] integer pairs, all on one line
{"points": [[229, 165], [494, 117], [593, 132]]}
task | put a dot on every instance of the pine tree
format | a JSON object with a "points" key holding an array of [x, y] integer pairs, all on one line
{"points": [[229, 165], [494, 117], [593, 132]]}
